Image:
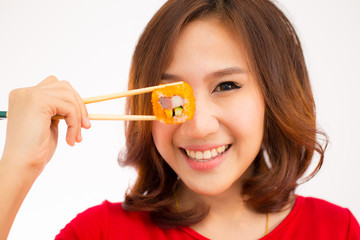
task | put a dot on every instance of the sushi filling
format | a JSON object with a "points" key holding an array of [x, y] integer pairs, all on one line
{"points": [[173, 106]]}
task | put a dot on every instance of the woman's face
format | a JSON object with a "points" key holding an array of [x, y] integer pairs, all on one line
{"points": [[212, 151]]}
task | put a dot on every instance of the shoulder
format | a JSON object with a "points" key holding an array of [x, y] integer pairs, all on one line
{"points": [[99, 221], [324, 208], [313, 218], [110, 221], [324, 212]]}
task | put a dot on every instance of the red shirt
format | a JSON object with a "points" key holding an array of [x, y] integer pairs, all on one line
{"points": [[310, 218]]}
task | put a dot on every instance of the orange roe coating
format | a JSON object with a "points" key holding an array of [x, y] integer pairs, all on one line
{"points": [[183, 90]]}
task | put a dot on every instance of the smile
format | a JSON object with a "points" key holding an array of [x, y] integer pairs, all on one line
{"points": [[201, 156]]}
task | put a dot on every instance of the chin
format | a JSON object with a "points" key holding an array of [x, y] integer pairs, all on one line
{"points": [[208, 189]]}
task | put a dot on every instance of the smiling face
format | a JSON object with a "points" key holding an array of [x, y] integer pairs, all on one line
{"points": [[211, 152]]}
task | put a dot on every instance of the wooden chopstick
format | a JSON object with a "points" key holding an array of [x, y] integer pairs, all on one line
{"points": [[3, 114], [120, 95], [127, 93], [115, 117]]}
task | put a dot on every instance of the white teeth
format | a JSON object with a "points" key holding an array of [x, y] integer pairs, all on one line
{"points": [[211, 153], [220, 149], [207, 154]]}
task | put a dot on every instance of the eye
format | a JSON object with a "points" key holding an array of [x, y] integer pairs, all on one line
{"points": [[226, 86]]}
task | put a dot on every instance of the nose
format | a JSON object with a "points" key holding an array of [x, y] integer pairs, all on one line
{"points": [[205, 120]]}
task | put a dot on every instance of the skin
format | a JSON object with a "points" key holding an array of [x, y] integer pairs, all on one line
{"points": [[31, 139], [234, 117], [207, 54]]}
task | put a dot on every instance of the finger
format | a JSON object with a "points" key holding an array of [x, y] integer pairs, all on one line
{"points": [[59, 93], [70, 96], [52, 82], [85, 122], [72, 118], [76, 100], [64, 91]]}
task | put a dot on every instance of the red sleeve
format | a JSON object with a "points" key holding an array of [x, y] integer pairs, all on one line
{"points": [[354, 227], [90, 224]]}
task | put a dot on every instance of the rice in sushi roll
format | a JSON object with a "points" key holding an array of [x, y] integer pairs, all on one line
{"points": [[173, 104]]}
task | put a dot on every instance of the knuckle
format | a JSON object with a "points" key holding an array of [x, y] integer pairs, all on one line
{"points": [[13, 94], [65, 83], [74, 111], [52, 78], [17, 93], [71, 111]]}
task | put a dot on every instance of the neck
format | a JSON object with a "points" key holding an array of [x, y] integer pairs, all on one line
{"points": [[228, 204], [228, 215]]}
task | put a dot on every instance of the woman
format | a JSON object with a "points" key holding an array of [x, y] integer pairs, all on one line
{"points": [[229, 173]]}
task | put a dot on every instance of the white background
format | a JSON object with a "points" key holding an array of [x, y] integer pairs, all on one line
{"points": [[90, 44]]}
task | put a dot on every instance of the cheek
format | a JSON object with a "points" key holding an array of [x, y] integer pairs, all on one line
{"points": [[247, 120], [163, 137], [252, 116]]}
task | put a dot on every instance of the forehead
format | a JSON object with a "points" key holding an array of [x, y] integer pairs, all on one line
{"points": [[208, 42]]}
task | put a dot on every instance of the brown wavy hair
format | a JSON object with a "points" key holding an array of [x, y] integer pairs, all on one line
{"points": [[276, 60]]}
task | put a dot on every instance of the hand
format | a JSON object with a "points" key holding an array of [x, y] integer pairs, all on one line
{"points": [[31, 137]]}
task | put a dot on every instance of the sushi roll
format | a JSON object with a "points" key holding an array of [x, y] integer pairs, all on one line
{"points": [[173, 104]]}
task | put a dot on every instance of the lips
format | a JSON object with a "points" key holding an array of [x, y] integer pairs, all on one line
{"points": [[205, 158]]}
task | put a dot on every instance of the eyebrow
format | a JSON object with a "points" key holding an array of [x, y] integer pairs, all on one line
{"points": [[168, 76], [217, 74], [228, 71]]}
